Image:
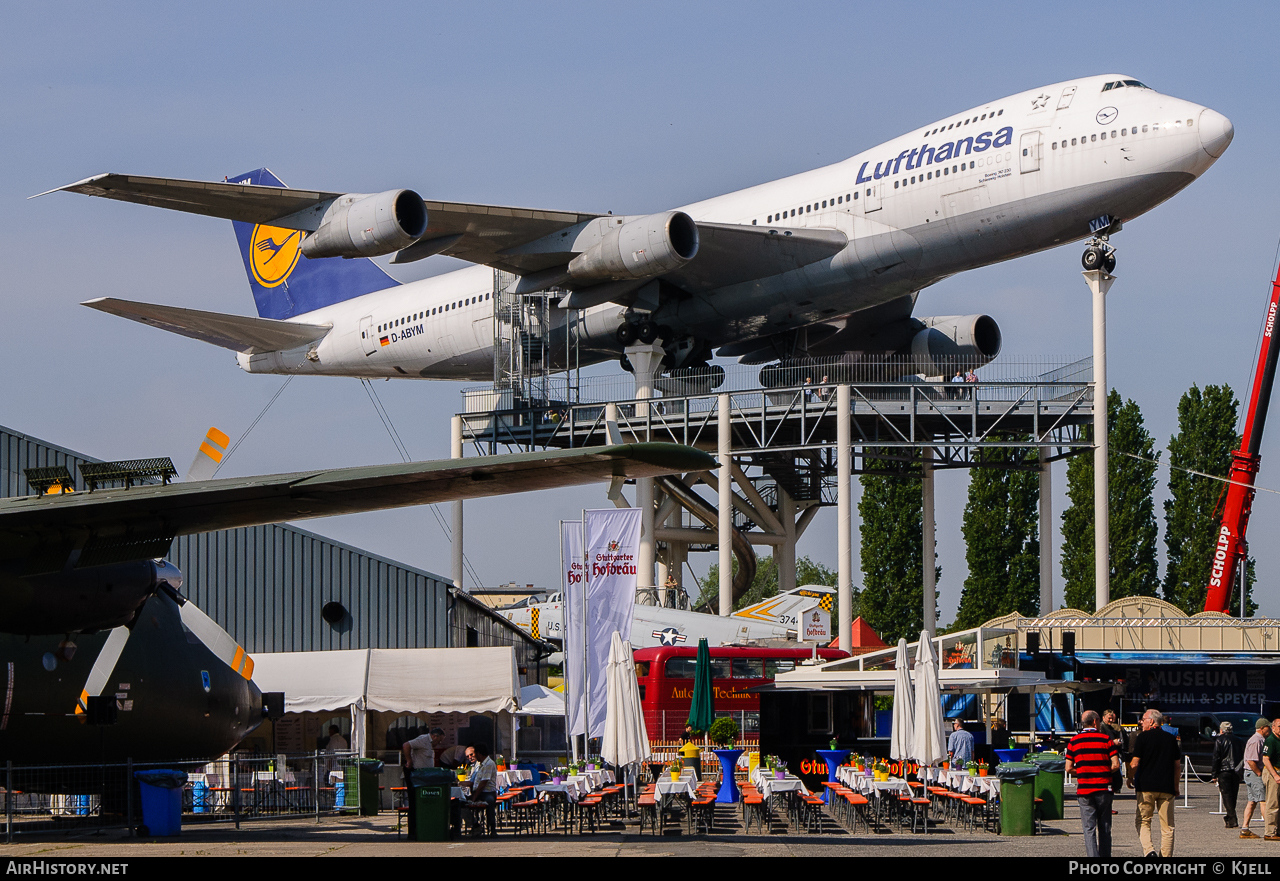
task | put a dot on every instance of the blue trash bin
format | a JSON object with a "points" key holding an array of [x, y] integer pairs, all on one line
{"points": [[161, 792]]}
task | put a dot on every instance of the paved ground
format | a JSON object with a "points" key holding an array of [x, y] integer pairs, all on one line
{"points": [[1199, 833]]}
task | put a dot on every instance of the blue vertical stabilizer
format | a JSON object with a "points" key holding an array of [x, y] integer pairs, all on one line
{"points": [[284, 282]]}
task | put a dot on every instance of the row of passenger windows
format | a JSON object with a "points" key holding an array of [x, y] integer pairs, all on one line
{"points": [[955, 169], [809, 209], [944, 128], [1177, 123], [399, 322]]}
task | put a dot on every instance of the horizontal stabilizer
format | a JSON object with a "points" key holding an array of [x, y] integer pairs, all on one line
{"points": [[237, 332]]}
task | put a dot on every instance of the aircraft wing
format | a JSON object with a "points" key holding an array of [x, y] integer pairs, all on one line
{"points": [[236, 332], [492, 235], [246, 202], [126, 524]]}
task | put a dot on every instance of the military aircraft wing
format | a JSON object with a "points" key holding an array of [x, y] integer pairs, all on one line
{"points": [[125, 524]]}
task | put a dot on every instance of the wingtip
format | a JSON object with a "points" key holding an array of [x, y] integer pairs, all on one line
{"points": [[79, 183]]}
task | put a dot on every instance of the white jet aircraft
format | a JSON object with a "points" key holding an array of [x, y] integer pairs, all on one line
{"points": [[774, 618], [824, 263]]}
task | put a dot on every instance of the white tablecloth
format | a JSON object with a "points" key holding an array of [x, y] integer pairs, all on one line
{"points": [[667, 787], [569, 789], [507, 779], [769, 785]]}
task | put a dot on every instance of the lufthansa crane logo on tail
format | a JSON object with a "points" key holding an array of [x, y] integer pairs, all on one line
{"points": [[273, 252]]}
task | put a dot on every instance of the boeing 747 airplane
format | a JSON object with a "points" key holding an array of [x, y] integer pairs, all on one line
{"points": [[824, 263]]}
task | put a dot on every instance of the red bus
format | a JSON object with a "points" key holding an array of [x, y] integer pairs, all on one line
{"points": [[665, 676]]}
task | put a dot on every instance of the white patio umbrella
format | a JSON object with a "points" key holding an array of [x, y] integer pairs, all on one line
{"points": [[928, 746], [625, 739], [902, 736]]}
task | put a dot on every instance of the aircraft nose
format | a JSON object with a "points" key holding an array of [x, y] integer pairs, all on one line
{"points": [[1216, 132]]}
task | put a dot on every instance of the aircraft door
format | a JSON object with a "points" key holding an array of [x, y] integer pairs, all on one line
{"points": [[1030, 146], [367, 339], [872, 195]]}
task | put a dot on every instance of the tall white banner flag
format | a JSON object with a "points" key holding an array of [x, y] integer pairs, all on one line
{"points": [[612, 538], [574, 637]]}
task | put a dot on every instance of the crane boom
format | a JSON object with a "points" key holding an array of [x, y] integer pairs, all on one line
{"points": [[1231, 548]]}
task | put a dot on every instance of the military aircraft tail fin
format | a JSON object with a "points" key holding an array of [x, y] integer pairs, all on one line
{"points": [[785, 608]]}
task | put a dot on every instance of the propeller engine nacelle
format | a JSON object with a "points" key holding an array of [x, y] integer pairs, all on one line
{"points": [[363, 225], [93, 598], [638, 248]]}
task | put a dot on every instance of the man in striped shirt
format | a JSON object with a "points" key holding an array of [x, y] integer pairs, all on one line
{"points": [[1092, 757]]}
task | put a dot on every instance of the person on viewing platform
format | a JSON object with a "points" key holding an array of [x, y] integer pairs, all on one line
{"points": [[1228, 766], [1255, 789], [959, 744], [1154, 775], [1092, 756]]}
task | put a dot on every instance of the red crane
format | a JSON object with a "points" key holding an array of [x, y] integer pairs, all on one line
{"points": [[1232, 549]]}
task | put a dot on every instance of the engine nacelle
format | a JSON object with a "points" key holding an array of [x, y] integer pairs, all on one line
{"points": [[951, 342], [640, 248], [94, 598], [363, 225]]}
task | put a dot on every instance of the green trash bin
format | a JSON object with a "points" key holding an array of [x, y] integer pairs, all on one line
{"points": [[1017, 798], [1051, 771], [431, 794], [368, 774]]}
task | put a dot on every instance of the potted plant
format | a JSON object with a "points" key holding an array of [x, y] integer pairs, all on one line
{"points": [[982, 768], [501, 762], [780, 769], [676, 767], [724, 732], [833, 745]]}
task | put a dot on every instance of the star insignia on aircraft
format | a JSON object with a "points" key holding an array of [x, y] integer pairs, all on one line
{"points": [[1039, 102], [669, 636]]}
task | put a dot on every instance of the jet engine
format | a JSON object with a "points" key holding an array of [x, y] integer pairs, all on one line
{"points": [[363, 225], [639, 248], [947, 341]]}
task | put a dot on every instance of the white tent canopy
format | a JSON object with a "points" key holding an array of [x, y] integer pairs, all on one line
{"points": [[456, 680], [538, 700]]}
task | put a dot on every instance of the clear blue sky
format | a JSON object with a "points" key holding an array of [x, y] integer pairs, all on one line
{"points": [[591, 106]]}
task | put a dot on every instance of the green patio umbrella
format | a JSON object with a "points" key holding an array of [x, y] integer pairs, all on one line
{"points": [[702, 712]]}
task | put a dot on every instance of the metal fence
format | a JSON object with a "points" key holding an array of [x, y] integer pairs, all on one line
{"points": [[42, 799], [879, 371]]}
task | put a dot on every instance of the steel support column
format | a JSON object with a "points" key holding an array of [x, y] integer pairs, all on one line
{"points": [[1099, 283], [930, 556], [455, 452], [844, 518], [724, 431], [1046, 534]]}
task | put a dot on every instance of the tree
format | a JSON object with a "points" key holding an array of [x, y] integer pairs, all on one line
{"points": [[1132, 509], [1000, 533], [892, 548], [1205, 440]]}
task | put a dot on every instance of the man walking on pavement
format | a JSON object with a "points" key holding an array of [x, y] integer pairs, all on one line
{"points": [[1228, 764], [1092, 757], [1255, 789], [1154, 775]]}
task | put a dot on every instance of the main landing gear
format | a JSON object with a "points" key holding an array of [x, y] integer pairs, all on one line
{"points": [[1099, 255], [645, 331]]}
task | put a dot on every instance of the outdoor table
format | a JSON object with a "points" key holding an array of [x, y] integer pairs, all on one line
{"points": [[561, 795], [669, 790], [881, 788], [833, 759], [507, 779]]}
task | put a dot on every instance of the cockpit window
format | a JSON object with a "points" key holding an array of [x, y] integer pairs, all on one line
{"points": [[1120, 84]]}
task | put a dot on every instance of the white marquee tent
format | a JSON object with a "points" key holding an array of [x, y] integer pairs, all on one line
{"points": [[454, 680]]}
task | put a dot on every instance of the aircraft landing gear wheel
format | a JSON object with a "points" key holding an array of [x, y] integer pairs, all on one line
{"points": [[626, 335], [1093, 258], [647, 331], [1109, 263]]}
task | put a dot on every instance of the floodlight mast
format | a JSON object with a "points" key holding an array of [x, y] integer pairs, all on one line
{"points": [[1231, 548]]}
